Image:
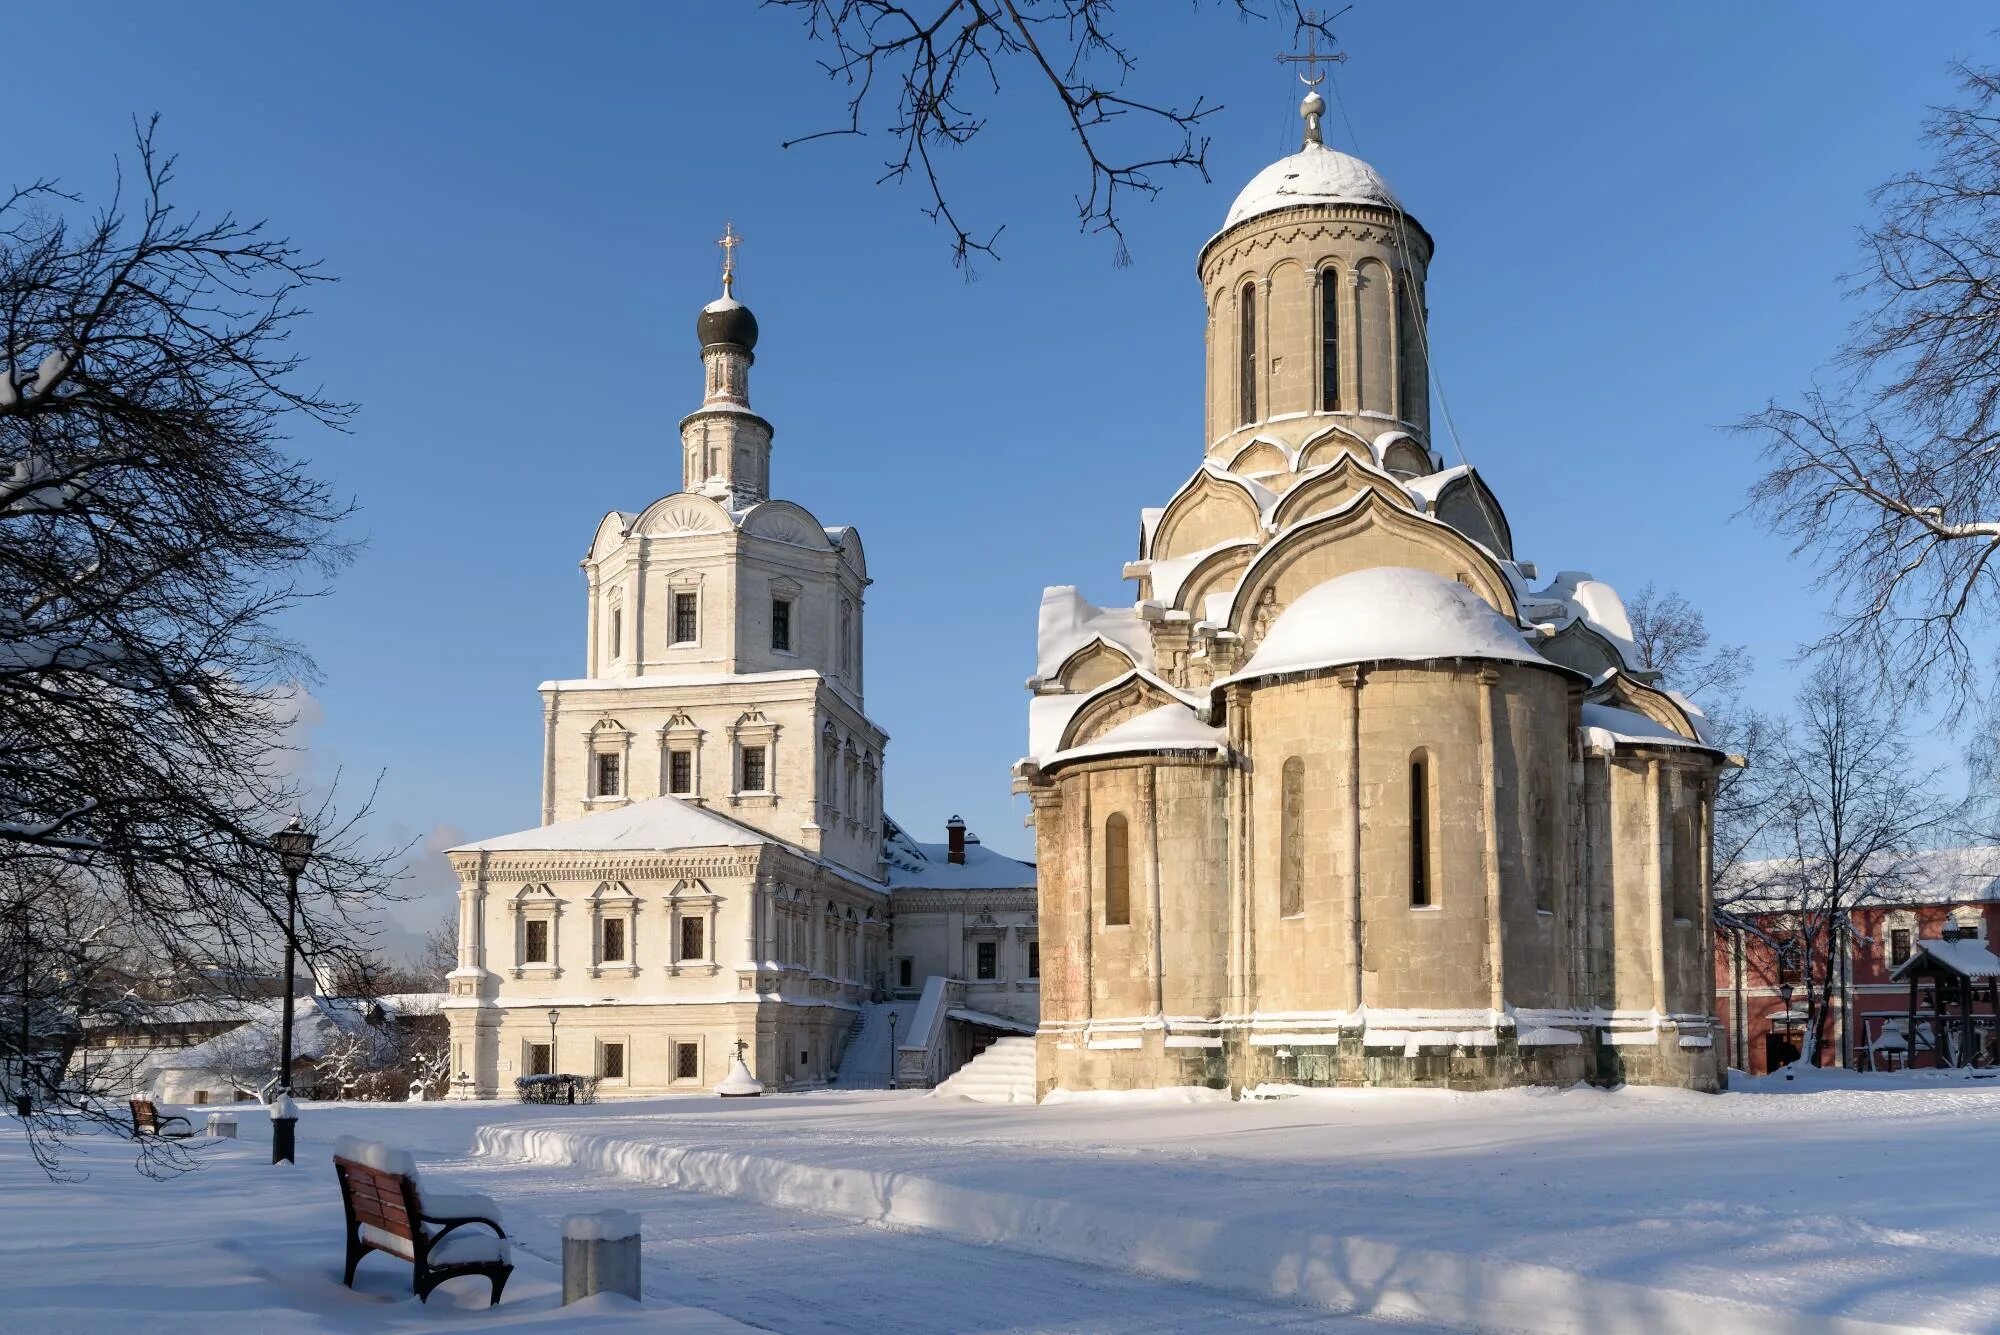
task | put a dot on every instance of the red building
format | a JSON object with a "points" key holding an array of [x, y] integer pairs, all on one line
{"points": [[1949, 895]]}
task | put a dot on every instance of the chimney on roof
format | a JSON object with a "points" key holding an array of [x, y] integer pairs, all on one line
{"points": [[954, 833]]}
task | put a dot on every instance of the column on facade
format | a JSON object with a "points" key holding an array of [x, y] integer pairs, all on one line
{"points": [[1489, 780]]}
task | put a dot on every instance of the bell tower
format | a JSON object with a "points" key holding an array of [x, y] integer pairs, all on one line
{"points": [[726, 447]]}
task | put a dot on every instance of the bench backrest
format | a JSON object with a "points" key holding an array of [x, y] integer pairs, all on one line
{"points": [[145, 1117], [387, 1201]]}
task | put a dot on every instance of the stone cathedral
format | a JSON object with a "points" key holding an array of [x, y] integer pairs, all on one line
{"points": [[714, 866], [1351, 794]]}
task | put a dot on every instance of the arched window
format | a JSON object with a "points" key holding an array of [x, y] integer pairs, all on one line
{"points": [[1292, 839], [1117, 873], [617, 631], [1246, 340], [1329, 340], [1415, 388], [1420, 832]]}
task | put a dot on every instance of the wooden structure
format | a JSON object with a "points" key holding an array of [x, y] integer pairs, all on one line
{"points": [[1956, 974], [386, 1212], [146, 1121]]}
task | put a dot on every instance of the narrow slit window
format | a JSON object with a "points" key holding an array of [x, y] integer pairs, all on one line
{"points": [[1415, 388], [617, 632], [1420, 834], [1117, 874], [1329, 341], [1247, 369], [1034, 959], [1292, 839]]}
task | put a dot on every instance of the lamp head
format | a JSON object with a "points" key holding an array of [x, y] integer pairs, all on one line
{"points": [[295, 845]]}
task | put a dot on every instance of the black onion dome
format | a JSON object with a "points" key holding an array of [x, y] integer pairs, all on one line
{"points": [[727, 320]]}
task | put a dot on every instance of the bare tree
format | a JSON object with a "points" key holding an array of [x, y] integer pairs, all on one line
{"points": [[1889, 474], [439, 955], [1851, 811], [152, 526], [1672, 638], [925, 69]]}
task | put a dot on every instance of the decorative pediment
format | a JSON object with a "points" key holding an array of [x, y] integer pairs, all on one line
{"points": [[680, 723], [1327, 446], [684, 513], [1114, 703], [782, 521], [610, 535], [1214, 507], [1261, 456], [1371, 531], [690, 887], [1578, 646], [1094, 664], [1333, 486], [1399, 454], [1623, 691], [612, 890]]}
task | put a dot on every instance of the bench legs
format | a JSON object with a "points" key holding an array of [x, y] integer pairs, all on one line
{"points": [[356, 1249], [428, 1279]]}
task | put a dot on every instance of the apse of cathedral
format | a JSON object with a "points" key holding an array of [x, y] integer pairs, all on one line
{"points": [[1351, 794]]}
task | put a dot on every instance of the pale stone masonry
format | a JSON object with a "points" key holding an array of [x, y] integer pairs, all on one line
{"points": [[1344, 797], [714, 866]]}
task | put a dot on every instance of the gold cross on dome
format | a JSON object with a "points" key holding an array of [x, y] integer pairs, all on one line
{"points": [[1312, 77], [731, 239]]}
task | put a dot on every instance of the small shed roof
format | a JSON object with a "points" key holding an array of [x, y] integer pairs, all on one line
{"points": [[1966, 959]]}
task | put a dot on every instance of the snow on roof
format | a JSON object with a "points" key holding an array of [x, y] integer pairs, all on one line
{"points": [[1049, 715], [1069, 621], [723, 304], [1429, 487], [1607, 725], [1314, 175], [677, 679], [1696, 715], [920, 866], [1969, 959], [1169, 573], [1385, 613], [1173, 727], [1965, 875], [657, 823], [1597, 605]]}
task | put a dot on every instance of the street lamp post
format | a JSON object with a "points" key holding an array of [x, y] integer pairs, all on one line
{"points": [[295, 845], [552, 1041], [892, 1049]]}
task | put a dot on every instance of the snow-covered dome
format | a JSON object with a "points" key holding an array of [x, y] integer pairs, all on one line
{"points": [[1386, 613], [1315, 174]]}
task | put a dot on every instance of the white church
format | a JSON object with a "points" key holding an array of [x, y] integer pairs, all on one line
{"points": [[714, 867]]}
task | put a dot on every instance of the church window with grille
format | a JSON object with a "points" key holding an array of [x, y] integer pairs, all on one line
{"points": [[1034, 959], [781, 625], [611, 1061], [986, 964], [687, 1061], [1292, 838], [1899, 946], [1420, 833], [1246, 373], [687, 623], [535, 941], [691, 939], [680, 772], [1329, 341], [607, 775], [613, 949], [1117, 873], [754, 777]]}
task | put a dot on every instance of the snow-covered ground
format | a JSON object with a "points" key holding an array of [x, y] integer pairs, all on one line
{"points": [[1829, 1203]]}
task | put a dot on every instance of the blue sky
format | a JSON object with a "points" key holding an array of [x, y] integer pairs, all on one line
{"points": [[1642, 213]]}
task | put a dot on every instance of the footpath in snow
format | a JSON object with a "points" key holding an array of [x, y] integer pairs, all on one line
{"points": [[1551, 1211]]}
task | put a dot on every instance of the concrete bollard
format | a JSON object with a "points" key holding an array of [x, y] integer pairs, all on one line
{"points": [[600, 1255], [222, 1125]]}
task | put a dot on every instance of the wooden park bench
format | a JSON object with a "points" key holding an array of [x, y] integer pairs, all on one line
{"points": [[389, 1210], [146, 1121]]}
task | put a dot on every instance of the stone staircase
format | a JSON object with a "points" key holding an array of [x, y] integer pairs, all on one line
{"points": [[1004, 1073], [866, 1061]]}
